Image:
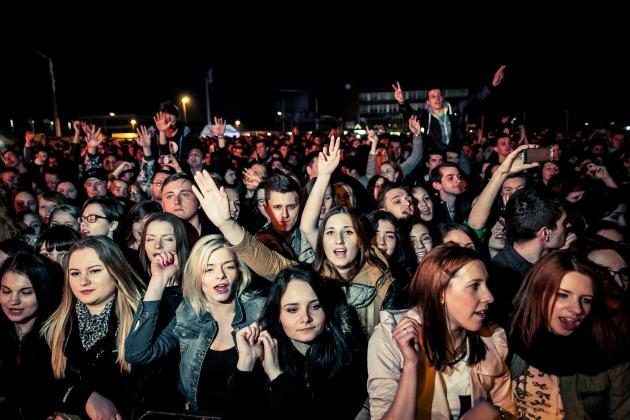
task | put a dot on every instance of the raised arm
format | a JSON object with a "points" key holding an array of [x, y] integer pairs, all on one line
{"points": [[511, 165], [370, 166], [327, 162], [417, 153]]}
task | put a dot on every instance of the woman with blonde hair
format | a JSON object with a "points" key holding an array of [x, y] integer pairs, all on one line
{"points": [[214, 308], [87, 332]]}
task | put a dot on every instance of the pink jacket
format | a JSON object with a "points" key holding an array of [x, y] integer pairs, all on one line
{"points": [[490, 379]]}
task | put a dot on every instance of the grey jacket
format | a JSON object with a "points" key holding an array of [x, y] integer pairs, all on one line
{"points": [[193, 334]]}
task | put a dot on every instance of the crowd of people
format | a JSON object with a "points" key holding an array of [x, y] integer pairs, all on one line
{"points": [[438, 274]]}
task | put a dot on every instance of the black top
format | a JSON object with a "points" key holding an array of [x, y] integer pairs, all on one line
{"points": [[217, 367]]}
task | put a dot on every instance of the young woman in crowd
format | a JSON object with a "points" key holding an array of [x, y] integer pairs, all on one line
{"points": [[55, 243], [567, 361], [313, 353], [87, 332], [438, 360], [420, 240], [102, 216], [342, 250], [213, 309], [30, 290], [65, 215]]}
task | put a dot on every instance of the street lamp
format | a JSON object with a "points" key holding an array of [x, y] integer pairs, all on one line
{"points": [[51, 70], [133, 124], [185, 100]]}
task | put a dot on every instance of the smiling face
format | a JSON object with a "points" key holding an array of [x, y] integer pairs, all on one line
{"points": [[424, 204], [219, 281], [467, 297], [17, 298], [341, 244], [89, 280], [301, 315], [421, 240], [571, 305]]}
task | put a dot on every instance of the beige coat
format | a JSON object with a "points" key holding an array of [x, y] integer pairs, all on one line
{"points": [[490, 379]]}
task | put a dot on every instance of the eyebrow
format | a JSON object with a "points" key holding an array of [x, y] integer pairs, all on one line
{"points": [[297, 303], [570, 292]]}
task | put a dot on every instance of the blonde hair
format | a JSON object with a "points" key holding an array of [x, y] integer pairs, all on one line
{"points": [[195, 269], [128, 295]]}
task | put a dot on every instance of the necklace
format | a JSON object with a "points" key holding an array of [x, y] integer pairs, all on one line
{"points": [[457, 359]]}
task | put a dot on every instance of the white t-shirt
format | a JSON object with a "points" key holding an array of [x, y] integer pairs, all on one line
{"points": [[457, 380]]}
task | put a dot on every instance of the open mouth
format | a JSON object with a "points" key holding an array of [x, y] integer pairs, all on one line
{"points": [[16, 311], [569, 324], [481, 314], [222, 288], [340, 252]]}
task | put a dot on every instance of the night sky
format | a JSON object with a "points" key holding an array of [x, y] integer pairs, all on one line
{"points": [[131, 78]]}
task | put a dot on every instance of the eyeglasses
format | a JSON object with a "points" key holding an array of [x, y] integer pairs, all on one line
{"points": [[91, 218], [158, 183]]}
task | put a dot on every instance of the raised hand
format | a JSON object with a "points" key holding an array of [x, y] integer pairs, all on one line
{"points": [[328, 159], [213, 200], [92, 135], [399, 95], [498, 76], [251, 179], [249, 347], [414, 125], [219, 127], [163, 121], [406, 335], [164, 266], [271, 361], [512, 165], [76, 124], [144, 137]]}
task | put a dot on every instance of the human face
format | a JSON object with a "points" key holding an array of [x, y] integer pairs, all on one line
{"points": [[230, 176], [261, 150], [283, 210], [394, 150], [51, 181], [385, 237], [261, 203], [503, 147], [160, 238], [63, 218], [378, 185], [450, 182], [44, 209], [179, 199], [134, 193], [11, 159], [399, 203], [388, 172], [34, 223], [101, 227], [136, 229], [54, 255], [341, 243], [10, 180], [421, 240], [460, 238], [616, 141], [67, 189], [424, 203], [559, 234], [344, 195], [89, 280], [301, 315], [571, 304], [467, 297], [510, 186], [195, 158], [549, 170], [616, 283], [327, 203], [435, 100], [95, 187], [497, 235], [109, 162], [118, 188], [156, 185], [220, 277], [24, 201], [452, 157], [434, 161], [18, 299], [235, 202]]}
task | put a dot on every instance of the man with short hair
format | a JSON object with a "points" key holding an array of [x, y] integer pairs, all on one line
{"points": [[95, 183], [283, 234], [450, 206], [179, 200]]}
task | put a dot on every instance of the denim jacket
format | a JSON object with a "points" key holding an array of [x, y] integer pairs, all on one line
{"points": [[193, 334]]}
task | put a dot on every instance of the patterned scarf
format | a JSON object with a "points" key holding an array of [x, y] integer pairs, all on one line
{"points": [[92, 328]]}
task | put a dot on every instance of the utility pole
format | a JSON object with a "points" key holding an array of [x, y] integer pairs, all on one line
{"points": [[51, 70]]}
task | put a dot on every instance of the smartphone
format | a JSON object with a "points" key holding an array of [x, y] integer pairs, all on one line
{"points": [[542, 154]]}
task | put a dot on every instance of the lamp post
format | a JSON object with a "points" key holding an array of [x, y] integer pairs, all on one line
{"points": [[51, 70], [185, 100]]}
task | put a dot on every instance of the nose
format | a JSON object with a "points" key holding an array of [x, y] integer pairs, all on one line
{"points": [[83, 280], [158, 244], [339, 238], [285, 212], [306, 316], [220, 273], [575, 307], [14, 299], [178, 199]]}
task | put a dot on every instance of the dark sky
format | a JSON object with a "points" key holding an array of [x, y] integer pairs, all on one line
{"points": [[132, 78]]}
